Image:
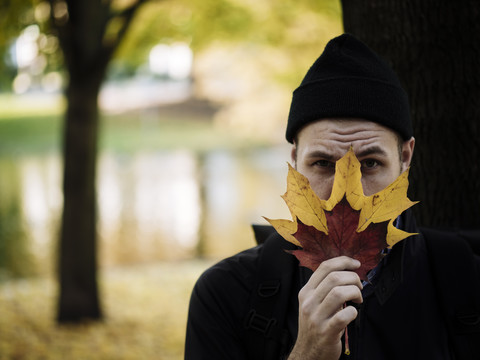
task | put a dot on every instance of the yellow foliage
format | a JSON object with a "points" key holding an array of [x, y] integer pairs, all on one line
{"points": [[146, 313], [303, 202]]}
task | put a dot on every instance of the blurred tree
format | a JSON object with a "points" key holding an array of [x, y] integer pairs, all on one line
{"points": [[435, 49], [89, 32]]}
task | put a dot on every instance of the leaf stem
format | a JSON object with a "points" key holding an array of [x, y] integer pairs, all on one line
{"points": [[347, 345]]}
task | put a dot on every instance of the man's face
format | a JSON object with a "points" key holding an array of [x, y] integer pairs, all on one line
{"points": [[383, 157]]}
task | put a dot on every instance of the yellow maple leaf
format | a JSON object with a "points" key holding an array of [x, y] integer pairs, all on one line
{"points": [[286, 229], [386, 204], [347, 182], [303, 202], [310, 211]]}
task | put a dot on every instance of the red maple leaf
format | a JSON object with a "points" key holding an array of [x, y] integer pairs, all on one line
{"points": [[343, 239]]}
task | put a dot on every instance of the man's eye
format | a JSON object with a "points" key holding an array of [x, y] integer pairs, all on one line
{"points": [[324, 163], [369, 163]]}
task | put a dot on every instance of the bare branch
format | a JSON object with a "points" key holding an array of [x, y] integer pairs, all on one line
{"points": [[130, 9], [127, 14]]}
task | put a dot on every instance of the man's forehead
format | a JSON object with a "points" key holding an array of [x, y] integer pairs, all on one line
{"points": [[333, 138], [345, 130]]}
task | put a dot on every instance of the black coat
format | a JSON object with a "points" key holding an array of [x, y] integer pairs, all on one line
{"points": [[400, 317]]}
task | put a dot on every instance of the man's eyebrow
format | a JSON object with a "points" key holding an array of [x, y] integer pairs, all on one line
{"points": [[372, 150], [321, 154]]}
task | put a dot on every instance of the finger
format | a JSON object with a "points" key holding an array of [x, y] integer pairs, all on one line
{"points": [[341, 319], [337, 297], [334, 279], [334, 264]]}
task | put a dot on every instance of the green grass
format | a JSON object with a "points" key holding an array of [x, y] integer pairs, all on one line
{"points": [[31, 131], [133, 132], [14, 106]]}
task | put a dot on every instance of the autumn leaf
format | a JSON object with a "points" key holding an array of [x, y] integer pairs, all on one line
{"points": [[348, 223], [303, 202], [342, 221]]}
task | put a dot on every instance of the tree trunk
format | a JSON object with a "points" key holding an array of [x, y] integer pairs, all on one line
{"points": [[82, 31], [435, 49], [78, 256]]}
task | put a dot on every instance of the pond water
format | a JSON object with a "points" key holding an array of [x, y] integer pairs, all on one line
{"points": [[159, 205]]}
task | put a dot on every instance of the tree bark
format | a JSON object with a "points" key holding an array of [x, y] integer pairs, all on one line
{"points": [[434, 46], [79, 298]]}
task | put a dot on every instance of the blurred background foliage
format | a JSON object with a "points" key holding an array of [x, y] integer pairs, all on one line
{"points": [[246, 57], [293, 30], [187, 160]]}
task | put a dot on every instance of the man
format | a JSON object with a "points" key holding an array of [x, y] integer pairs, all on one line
{"points": [[348, 98]]}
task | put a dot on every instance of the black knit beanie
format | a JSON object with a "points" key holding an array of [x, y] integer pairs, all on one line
{"points": [[350, 81]]}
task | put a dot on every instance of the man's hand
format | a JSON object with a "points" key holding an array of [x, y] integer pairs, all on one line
{"points": [[322, 318]]}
